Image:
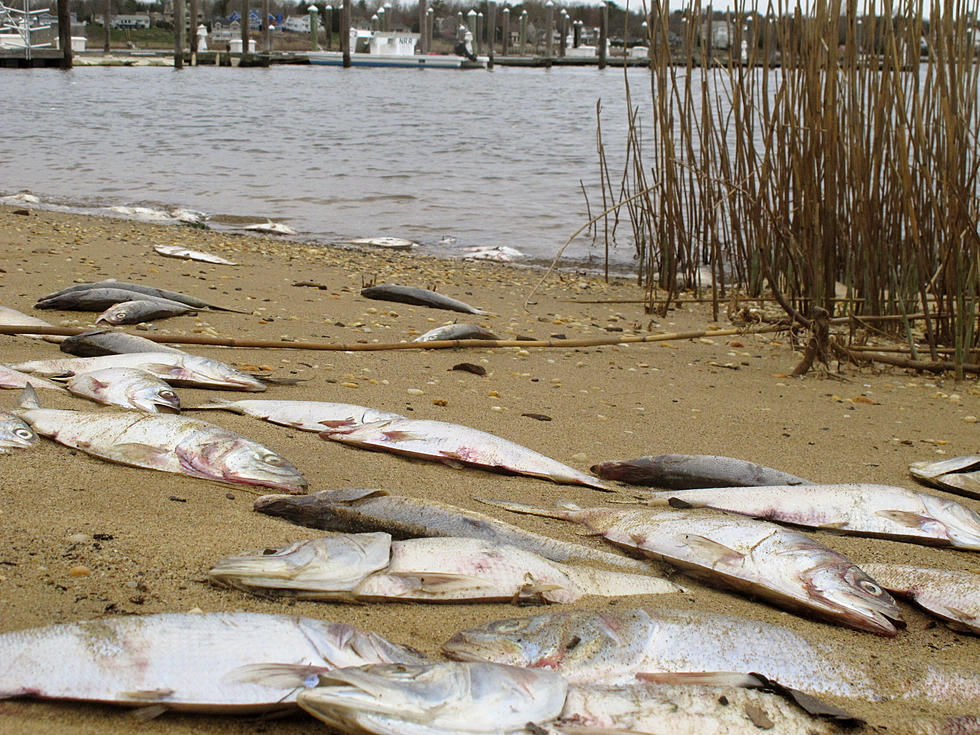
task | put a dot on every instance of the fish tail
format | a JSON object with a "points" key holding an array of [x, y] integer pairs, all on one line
{"points": [[530, 510], [28, 397]]}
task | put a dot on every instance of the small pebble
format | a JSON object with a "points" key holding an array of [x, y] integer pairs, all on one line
{"points": [[415, 392], [79, 571]]}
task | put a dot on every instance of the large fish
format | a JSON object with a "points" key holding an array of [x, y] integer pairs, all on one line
{"points": [[456, 331], [957, 475], [371, 567], [14, 433], [143, 310], [177, 368], [159, 293], [164, 442], [435, 699], [197, 662], [948, 594], [883, 511], [756, 558], [417, 297], [614, 645], [303, 415], [681, 471], [10, 378], [99, 342], [13, 318], [455, 444], [126, 387], [355, 510], [98, 299]]}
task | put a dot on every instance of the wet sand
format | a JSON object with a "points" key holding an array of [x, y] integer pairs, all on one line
{"points": [[82, 537]]}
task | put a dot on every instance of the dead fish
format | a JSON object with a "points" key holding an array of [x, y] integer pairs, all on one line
{"points": [[456, 331], [753, 557], [950, 595], [682, 471], [272, 228], [177, 368], [435, 699], [957, 475], [355, 510], [14, 433], [99, 342], [126, 387], [143, 310], [206, 662], [147, 214], [371, 567], [391, 243], [139, 288], [303, 415], [164, 442], [10, 378], [13, 318], [416, 296], [460, 445], [98, 299], [498, 253], [643, 707], [882, 511], [176, 251]]}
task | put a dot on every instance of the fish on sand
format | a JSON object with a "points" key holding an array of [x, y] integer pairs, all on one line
{"points": [[681, 471], [456, 331], [99, 342], [959, 475], [950, 595], [303, 415], [14, 433], [417, 297], [176, 251], [98, 299], [143, 310], [15, 379], [13, 318], [139, 288], [126, 387]]}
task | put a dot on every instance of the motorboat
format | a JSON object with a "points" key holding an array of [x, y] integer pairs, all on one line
{"points": [[389, 49]]}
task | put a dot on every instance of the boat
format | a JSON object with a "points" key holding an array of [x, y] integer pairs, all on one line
{"points": [[389, 49]]}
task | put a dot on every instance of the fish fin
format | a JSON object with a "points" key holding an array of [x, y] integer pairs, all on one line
{"points": [[399, 435], [150, 712], [217, 403], [528, 510], [720, 552], [567, 505], [678, 503], [146, 695], [134, 452], [28, 397], [336, 424], [277, 676], [833, 526], [452, 460], [905, 518], [703, 678]]}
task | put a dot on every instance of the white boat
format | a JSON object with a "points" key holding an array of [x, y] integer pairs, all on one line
{"points": [[389, 49]]}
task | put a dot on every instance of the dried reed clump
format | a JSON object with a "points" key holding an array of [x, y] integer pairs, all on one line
{"points": [[822, 154]]}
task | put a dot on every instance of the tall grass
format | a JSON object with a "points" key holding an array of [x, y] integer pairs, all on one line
{"points": [[822, 154]]}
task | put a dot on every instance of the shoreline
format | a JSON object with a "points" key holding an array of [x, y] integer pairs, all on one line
{"points": [[159, 533]]}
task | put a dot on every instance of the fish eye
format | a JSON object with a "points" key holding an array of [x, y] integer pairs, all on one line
{"points": [[23, 433], [870, 587], [508, 626], [168, 394], [274, 460]]}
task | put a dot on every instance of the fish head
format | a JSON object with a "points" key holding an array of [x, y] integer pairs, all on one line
{"points": [[218, 373], [15, 433], [853, 595], [117, 314], [959, 523], [147, 396], [228, 457]]}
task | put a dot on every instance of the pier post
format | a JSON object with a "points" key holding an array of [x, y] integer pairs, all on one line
{"points": [[577, 33], [178, 34], [345, 33], [106, 20], [379, 19], [471, 24], [244, 29], [423, 27], [491, 31], [192, 39], [603, 34], [64, 33], [505, 33], [328, 24], [388, 16], [563, 33], [314, 28], [549, 29], [478, 38], [522, 33], [266, 27], [430, 14]]}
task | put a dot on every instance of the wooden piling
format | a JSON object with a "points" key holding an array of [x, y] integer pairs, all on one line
{"points": [[314, 28], [549, 29], [244, 28], [266, 27], [491, 31], [178, 34], [345, 33], [192, 40], [64, 34], [562, 33], [603, 34], [423, 20], [328, 24], [505, 40], [429, 17], [106, 19], [522, 33]]}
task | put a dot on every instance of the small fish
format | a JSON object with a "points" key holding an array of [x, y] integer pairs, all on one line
{"points": [[10, 378], [436, 699], [371, 567], [272, 228], [13, 318], [96, 299], [153, 292], [456, 444], [205, 662], [177, 368], [147, 214], [882, 511], [99, 342], [189, 216], [355, 510], [126, 387], [176, 251], [950, 595], [164, 442], [416, 296], [391, 243], [14, 433], [143, 310], [499, 253], [303, 415], [957, 475], [757, 558], [682, 471], [456, 331]]}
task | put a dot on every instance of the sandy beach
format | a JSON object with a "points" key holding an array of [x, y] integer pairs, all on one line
{"points": [[83, 538]]}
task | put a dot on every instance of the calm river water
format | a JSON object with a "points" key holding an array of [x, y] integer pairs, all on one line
{"points": [[451, 159]]}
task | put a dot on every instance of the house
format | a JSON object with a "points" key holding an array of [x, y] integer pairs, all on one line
{"points": [[135, 20]]}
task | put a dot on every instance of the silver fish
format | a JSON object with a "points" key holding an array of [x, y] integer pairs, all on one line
{"points": [[177, 368], [357, 510], [126, 387], [214, 662], [757, 558], [417, 296], [948, 594], [98, 299], [883, 511], [390, 243], [164, 442], [272, 228], [139, 288], [681, 471], [10, 378], [303, 415], [456, 331], [435, 699], [372, 567], [456, 444], [957, 475], [143, 310], [14, 433], [99, 342], [176, 251], [13, 318]]}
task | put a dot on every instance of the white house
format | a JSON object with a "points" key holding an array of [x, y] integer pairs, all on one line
{"points": [[136, 20]]}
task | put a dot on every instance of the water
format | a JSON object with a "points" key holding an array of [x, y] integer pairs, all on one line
{"points": [[451, 159]]}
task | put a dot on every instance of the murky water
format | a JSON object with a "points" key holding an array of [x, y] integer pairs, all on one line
{"points": [[451, 159]]}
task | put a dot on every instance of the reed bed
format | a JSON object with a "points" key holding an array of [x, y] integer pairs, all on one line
{"points": [[822, 154]]}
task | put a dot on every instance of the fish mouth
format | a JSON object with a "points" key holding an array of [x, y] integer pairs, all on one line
{"points": [[461, 648], [293, 486]]}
